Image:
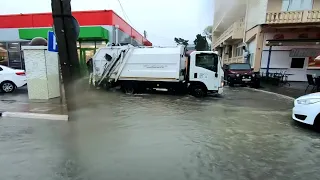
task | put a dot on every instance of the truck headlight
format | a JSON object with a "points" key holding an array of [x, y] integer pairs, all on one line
{"points": [[308, 101], [222, 81]]}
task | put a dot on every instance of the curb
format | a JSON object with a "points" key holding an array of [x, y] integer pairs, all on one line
{"points": [[35, 116], [268, 92]]}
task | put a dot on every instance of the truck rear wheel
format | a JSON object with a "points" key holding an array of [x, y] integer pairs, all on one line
{"points": [[198, 91]]}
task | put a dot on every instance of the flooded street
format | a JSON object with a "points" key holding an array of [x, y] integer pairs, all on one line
{"points": [[243, 135]]}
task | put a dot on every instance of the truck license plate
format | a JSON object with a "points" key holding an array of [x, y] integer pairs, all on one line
{"points": [[246, 80]]}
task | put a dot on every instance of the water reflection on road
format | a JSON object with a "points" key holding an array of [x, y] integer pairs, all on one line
{"points": [[244, 135]]}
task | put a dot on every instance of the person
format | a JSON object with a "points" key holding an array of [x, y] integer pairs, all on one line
{"points": [[89, 65], [90, 70]]}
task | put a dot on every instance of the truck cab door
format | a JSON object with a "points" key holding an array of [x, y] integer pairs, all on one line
{"points": [[204, 68]]}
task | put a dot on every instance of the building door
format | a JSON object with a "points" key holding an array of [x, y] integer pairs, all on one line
{"points": [[85, 55]]}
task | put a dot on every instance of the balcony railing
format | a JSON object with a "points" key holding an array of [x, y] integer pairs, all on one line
{"points": [[235, 31], [238, 59], [293, 17]]}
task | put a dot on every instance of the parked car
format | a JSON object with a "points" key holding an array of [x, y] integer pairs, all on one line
{"points": [[10, 79], [307, 109], [241, 73]]}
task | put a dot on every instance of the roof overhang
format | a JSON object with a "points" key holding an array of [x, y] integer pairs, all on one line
{"points": [[86, 33], [292, 42]]}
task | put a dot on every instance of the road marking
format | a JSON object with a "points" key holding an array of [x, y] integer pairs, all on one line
{"points": [[36, 116], [280, 95]]}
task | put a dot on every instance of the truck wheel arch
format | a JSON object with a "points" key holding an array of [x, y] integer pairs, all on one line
{"points": [[197, 83], [198, 89]]}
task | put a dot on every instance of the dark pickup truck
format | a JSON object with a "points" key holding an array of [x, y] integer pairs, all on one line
{"points": [[241, 73]]}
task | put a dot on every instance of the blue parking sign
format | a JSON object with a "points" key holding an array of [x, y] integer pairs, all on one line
{"points": [[52, 42]]}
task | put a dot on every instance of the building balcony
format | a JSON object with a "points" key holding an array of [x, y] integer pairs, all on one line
{"points": [[238, 59], [234, 32], [286, 17]]}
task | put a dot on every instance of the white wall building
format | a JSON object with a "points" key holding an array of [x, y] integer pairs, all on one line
{"points": [[289, 27]]}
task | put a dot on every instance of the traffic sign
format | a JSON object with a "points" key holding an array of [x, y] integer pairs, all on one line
{"points": [[52, 42]]}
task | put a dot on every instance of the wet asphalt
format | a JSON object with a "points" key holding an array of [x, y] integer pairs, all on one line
{"points": [[243, 135]]}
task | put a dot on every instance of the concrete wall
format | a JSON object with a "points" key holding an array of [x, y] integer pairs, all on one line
{"points": [[11, 34], [250, 34], [111, 31], [316, 4], [274, 5], [256, 13]]}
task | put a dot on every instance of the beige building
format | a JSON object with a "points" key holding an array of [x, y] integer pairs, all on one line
{"points": [[278, 35]]}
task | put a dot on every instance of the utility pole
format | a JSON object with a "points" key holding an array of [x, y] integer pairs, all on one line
{"points": [[66, 33]]}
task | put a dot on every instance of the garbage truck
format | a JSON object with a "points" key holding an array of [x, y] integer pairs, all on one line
{"points": [[134, 69]]}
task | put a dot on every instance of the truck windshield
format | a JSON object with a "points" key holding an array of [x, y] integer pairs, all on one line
{"points": [[207, 61], [239, 67]]}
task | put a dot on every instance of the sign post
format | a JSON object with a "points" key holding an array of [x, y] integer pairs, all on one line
{"points": [[65, 28]]}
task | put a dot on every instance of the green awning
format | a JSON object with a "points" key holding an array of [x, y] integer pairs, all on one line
{"points": [[86, 33]]}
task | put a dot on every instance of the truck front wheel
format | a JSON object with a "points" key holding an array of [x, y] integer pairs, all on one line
{"points": [[198, 91], [129, 87]]}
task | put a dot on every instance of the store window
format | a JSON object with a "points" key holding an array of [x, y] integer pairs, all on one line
{"points": [[3, 54], [14, 55], [88, 44], [297, 63], [296, 5], [100, 44], [14, 46]]}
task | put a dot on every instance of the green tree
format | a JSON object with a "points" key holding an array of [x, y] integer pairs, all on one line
{"points": [[208, 32], [181, 41], [201, 43]]}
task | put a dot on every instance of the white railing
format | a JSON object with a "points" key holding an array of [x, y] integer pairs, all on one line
{"points": [[235, 31], [293, 17], [313, 16]]}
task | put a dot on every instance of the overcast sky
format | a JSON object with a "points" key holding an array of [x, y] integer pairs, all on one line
{"points": [[162, 19]]}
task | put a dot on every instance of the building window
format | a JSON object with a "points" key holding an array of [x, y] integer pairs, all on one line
{"points": [[296, 5], [239, 51], [297, 63], [229, 51]]}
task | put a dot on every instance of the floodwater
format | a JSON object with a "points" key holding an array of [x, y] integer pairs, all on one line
{"points": [[114, 136]]}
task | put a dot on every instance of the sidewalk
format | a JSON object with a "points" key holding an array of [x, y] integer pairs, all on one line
{"points": [[18, 102], [295, 90]]}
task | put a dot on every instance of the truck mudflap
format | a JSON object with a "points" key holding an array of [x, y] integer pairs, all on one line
{"points": [[220, 90]]}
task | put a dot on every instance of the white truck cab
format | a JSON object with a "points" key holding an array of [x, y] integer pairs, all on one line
{"points": [[205, 73]]}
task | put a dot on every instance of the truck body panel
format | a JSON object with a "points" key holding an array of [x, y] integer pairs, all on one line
{"points": [[153, 64]]}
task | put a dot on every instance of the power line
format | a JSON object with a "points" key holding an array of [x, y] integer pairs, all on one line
{"points": [[124, 13], [127, 18]]}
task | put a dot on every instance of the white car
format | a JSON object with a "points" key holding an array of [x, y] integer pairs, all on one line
{"points": [[307, 109], [10, 79]]}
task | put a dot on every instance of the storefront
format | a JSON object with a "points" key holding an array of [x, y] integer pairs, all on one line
{"points": [[292, 53], [97, 29]]}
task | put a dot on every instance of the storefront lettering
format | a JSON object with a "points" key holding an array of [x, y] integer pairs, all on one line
{"points": [[304, 52], [155, 66]]}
